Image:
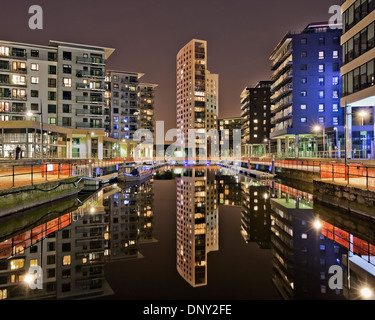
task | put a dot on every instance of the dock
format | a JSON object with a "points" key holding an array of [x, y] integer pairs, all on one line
{"points": [[100, 180], [255, 174]]}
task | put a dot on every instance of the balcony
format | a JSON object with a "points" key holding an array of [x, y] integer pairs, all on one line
{"points": [[282, 69], [90, 74], [87, 86], [85, 125], [83, 112], [82, 99], [282, 93], [93, 60]]}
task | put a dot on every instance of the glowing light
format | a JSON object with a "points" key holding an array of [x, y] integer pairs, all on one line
{"points": [[317, 224], [29, 279], [366, 293]]}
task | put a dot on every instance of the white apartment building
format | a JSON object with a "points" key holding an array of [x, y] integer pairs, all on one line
{"points": [[61, 90]]}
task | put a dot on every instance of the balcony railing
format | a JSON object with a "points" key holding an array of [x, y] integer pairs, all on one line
{"points": [[90, 99], [86, 86], [87, 73], [92, 60]]}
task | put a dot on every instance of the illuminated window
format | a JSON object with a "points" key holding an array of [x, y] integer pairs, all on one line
{"points": [[19, 93], [321, 107], [33, 262], [18, 80], [4, 106], [3, 294], [321, 54], [34, 80], [303, 106], [4, 51], [34, 67], [17, 264], [67, 82], [335, 54], [66, 260]]}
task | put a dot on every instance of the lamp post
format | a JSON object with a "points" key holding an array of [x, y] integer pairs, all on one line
{"points": [[317, 129], [363, 114]]}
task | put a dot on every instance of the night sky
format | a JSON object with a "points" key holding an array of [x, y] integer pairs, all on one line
{"points": [[147, 34]]}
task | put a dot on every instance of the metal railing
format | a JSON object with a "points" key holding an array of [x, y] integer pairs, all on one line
{"points": [[354, 175], [30, 174]]}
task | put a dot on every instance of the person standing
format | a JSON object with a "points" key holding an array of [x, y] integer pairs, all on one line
{"points": [[18, 150]]}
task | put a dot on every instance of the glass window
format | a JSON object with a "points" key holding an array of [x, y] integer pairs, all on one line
{"points": [[67, 82], [35, 80], [66, 260], [67, 55], [17, 264]]}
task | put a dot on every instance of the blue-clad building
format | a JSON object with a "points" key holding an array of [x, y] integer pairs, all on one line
{"points": [[306, 115]]}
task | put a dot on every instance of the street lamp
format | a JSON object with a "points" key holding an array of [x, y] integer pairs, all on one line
{"points": [[317, 128], [363, 114]]}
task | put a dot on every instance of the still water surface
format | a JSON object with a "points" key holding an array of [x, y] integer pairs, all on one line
{"points": [[193, 233]]}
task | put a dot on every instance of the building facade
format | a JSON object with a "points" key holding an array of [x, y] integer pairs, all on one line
{"points": [[358, 76], [256, 114], [197, 96], [131, 106], [306, 115], [63, 86], [229, 131]]}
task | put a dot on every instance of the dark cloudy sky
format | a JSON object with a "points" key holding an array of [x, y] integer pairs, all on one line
{"points": [[147, 34]]}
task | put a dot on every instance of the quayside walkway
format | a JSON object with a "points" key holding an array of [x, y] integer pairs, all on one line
{"points": [[24, 172]]}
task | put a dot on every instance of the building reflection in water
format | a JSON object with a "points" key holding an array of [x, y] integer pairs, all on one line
{"points": [[73, 244], [256, 214], [131, 220], [302, 255], [197, 223], [357, 235], [72, 249]]}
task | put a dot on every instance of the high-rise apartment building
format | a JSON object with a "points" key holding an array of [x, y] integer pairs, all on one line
{"points": [[61, 90], [358, 76], [197, 94], [256, 114], [307, 118], [131, 106]]}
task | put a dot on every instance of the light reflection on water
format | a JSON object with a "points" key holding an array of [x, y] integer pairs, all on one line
{"points": [[189, 233]]}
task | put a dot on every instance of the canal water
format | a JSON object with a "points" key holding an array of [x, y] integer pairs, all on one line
{"points": [[188, 233]]}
